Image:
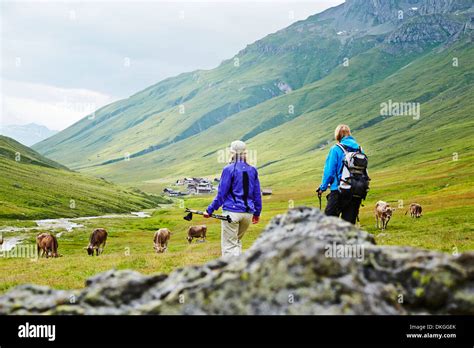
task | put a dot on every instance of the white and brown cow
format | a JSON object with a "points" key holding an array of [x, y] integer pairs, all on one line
{"points": [[383, 212], [161, 239], [415, 210]]}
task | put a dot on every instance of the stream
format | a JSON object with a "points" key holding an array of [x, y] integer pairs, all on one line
{"points": [[67, 224]]}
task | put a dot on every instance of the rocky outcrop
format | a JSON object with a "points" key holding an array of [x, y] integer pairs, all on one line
{"points": [[284, 87], [303, 263], [423, 31], [444, 6], [426, 29], [372, 12], [380, 11]]}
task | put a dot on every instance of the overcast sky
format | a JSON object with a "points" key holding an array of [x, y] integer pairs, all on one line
{"points": [[61, 60]]}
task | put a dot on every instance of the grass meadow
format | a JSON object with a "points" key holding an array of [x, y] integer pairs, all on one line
{"points": [[446, 225]]}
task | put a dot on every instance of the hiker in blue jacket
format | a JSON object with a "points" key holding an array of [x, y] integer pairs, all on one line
{"points": [[240, 197], [339, 203]]}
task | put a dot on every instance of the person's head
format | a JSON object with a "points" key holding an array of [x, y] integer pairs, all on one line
{"points": [[341, 131], [238, 151]]}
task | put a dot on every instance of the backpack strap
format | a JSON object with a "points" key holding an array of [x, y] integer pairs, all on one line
{"points": [[342, 147], [232, 184], [245, 177]]}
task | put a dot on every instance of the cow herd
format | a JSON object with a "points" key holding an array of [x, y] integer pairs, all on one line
{"points": [[384, 212], [47, 243]]}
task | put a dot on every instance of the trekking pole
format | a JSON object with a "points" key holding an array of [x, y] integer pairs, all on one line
{"points": [[190, 212], [319, 197]]}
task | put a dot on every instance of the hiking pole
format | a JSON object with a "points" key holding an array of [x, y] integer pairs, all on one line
{"points": [[190, 212], [320, 193]]}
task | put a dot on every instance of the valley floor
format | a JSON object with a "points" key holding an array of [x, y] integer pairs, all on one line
{"points": [[446, 225]]}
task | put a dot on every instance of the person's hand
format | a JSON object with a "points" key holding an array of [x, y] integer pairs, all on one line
{"points": [[319, 192], [206, 215], [255, 219]]}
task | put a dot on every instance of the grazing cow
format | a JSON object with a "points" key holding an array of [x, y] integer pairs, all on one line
{"points": [[383, 211], [197, 232], [47, 244], [161, 239], [415, 210], [97, 242]]}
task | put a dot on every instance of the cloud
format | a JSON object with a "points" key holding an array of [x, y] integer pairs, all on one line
{"points": [[82, 46], [54, 107]]}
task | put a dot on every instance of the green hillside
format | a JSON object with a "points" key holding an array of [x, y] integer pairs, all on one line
{"points": [[31, 186], [284, 95], [13, 150]]}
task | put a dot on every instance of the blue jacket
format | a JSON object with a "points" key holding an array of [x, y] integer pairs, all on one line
{"points": [[224, 196], [334, 161]]}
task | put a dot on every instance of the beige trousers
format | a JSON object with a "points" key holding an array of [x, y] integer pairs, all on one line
{"points": [[232, 233]]}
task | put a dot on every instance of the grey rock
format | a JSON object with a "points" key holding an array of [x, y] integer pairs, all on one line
{"points": [[287, 271], [445, 6], [423, 31]]}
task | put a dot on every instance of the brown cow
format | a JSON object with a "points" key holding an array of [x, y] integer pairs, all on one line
{"points": [[415, 210], [383, 211], [97, 241], [1, 239], [161, 239], [197, 232], [48, 244]]}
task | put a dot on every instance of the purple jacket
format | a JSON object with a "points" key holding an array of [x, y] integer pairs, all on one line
{"points": [[230, 194]]}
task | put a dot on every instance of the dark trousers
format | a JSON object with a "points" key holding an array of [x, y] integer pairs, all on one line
{"points": [[343, 205]]}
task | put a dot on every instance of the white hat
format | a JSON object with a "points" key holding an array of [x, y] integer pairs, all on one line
{"points": [[238, 147]]}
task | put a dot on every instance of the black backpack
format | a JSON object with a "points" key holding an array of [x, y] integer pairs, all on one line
{"points": [[354, 177]]}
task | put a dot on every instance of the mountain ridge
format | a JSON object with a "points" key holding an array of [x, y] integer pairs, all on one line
{"points": [[28, 134]]}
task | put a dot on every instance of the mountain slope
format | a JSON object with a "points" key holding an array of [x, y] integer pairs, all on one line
{"points": [[13, 150], [285, 93], [295, 143], [32, 186]]}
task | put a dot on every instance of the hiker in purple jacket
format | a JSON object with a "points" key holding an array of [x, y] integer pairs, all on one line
{"points": [[239, 196]]}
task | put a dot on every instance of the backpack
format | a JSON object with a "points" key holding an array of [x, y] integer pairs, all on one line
{"points": [[354, 177]]}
